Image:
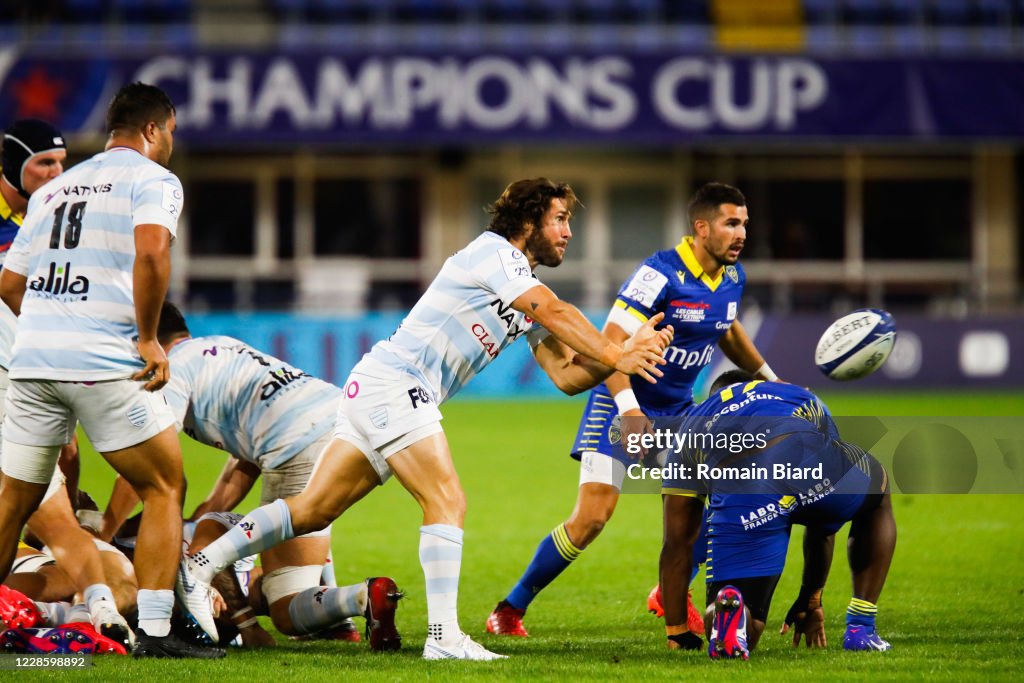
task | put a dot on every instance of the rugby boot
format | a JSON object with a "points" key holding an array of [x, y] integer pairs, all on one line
{"points": [[382, 596], [172, 647], [460, 647], [861, 638], [506, 620], [17, 610], [729, 626]]}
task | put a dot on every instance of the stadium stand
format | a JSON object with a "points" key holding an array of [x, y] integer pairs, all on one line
{"points": [[854, 26], [639, 29]]}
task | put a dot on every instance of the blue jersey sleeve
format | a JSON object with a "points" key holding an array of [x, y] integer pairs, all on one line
{"points": [[640, 297]]}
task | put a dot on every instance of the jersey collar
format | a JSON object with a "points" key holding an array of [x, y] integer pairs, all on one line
{"points": [[685, 251], [7, 213]]}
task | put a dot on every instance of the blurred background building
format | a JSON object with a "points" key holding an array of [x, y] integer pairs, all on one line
{"points": [[335, 152]]}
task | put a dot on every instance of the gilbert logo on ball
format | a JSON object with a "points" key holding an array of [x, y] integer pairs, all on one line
{"points": [[856, 345]]}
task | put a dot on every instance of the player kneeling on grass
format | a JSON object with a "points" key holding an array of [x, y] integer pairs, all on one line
{"points": [[235, 605], [275, 420], [770, 457], [40, 595]]}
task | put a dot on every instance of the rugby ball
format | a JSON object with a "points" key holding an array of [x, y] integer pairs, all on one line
{"points": [[856, 345]]}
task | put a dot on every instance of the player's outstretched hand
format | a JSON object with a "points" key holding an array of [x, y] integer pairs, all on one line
{"points": [[644, 350], [807, 623], [158, 370]]}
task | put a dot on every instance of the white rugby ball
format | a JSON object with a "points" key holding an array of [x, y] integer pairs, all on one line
{"points": [[856, 345]]}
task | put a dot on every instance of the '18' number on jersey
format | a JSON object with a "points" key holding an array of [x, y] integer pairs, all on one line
{"points": [[74, 228]]}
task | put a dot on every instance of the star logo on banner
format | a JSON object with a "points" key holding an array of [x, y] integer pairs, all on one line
{"points": [[37, 95]]}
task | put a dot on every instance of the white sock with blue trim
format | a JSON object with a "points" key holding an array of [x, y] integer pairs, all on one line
{"points": [[441, 559]]}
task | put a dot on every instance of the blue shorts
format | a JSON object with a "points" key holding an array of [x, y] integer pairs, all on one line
{"points": [[596, 432], [599, 430], [748, 533]]}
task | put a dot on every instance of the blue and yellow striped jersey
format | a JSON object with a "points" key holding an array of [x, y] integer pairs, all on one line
{"points": [[699, 308]]}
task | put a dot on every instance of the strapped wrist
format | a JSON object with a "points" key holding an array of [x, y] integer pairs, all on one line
{"points": [[811, 597], [767, 372], [625, 400]]}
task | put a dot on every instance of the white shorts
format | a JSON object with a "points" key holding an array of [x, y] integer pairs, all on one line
{"points": [[596, 468], [290, 477], [57, 479], [101, 546], [30, 564], [383, 411], [115, 414]]}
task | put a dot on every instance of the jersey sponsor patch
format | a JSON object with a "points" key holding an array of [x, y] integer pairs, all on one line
{"points": [[689, 311], [730, 311], [645, 286], [171, 200], [515, 263]]}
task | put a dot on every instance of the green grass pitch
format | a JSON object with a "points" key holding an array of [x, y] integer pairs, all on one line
{"points": [[952, 607]]}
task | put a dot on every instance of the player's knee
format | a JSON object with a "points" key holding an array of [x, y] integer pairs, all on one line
{"points": [[280, 588], [161, 489], [310, 515], [456, 503], [445, 505], [280, 617], [593, 529], [584, 530]]}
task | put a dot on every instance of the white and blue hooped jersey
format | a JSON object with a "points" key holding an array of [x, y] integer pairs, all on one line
{"points": [[699, 308], [464, 319], [77, 250], [227, 395]]}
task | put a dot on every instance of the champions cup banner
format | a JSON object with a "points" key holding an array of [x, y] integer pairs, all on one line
{"points": [[443, 99]]}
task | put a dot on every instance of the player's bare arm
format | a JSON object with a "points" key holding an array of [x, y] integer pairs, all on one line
{"points": [[739, 348], [568, 325], [573, 372], [151, 275], [12, 289], [234, 483], [123, 500], [559, 362]]}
